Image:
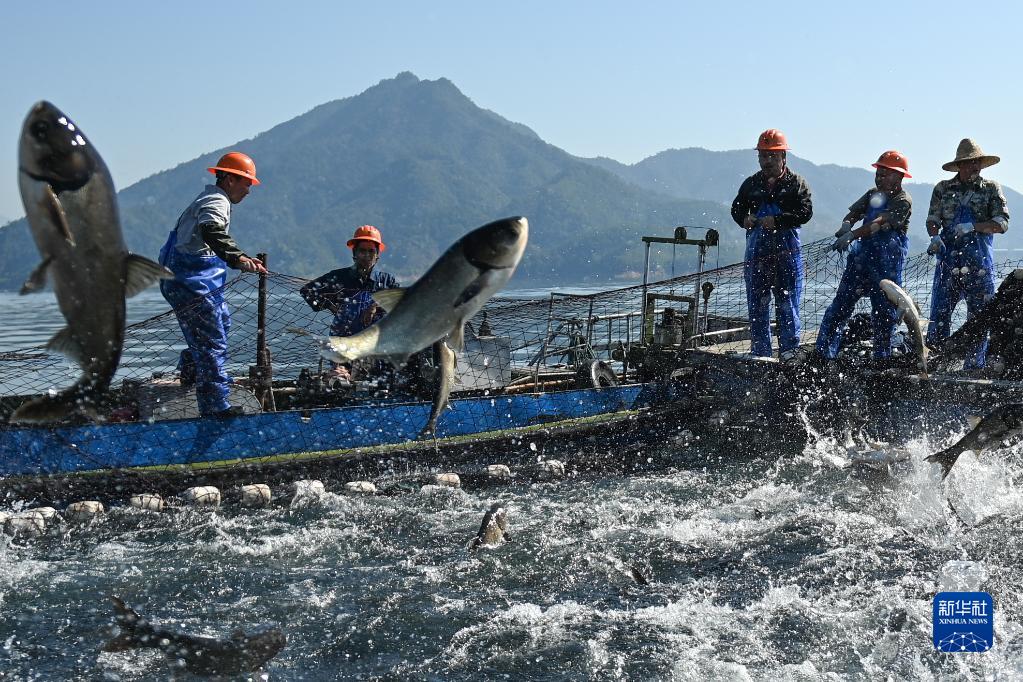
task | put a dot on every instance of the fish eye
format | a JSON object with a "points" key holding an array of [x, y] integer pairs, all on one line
{"points": [[40, 129]]}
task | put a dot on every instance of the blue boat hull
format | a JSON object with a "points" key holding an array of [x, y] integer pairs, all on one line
{"points": [[270, 439]]}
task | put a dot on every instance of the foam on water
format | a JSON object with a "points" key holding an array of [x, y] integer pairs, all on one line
{"points": [[762, 567]]}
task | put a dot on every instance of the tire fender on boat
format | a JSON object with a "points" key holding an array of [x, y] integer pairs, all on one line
{"points": [[601, 375]]}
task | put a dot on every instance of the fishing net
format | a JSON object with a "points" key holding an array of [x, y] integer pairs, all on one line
{"points": [[527, 362]]}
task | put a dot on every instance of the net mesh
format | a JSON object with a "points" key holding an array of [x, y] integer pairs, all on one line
{"points": [[514, 345]]}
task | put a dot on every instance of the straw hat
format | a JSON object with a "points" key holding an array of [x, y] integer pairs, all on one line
{"points": [[967, 151]]}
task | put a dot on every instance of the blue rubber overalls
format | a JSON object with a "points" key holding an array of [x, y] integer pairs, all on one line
{"points": [[348, 320], [774, 265], [882, 255], [196, 294], [966, 269]]}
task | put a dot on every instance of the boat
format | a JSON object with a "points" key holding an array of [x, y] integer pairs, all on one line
{"points": [[535, 374], [619, 368]]}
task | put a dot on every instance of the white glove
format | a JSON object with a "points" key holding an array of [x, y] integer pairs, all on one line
{"points": [[962, 229], [846, 226], [842, 243], [936, 245]]}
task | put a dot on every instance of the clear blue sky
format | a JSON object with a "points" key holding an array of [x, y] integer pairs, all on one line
{"points": [[155, 84]]}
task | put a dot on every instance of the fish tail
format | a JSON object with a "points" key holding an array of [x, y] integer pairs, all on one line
{"points": [[430, 430], [127, 620], [946, 458], [52, 408]]}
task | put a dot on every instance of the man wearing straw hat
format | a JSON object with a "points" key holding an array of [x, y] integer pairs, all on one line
{"points": [[965, 213]]}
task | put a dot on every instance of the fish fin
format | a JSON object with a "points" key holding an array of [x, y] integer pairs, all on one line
{"points": [[140, 273], [57, 215], [126, 615], [457, 336], [638, 576], [476, 286], [37, 280], [946, 458], [973, 420], [66, 344], [388, 298], [126, 620]]}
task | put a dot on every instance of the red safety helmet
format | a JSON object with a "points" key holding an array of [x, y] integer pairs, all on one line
{"points": [[366, 233], [895, 161], [772, 140], [237, 163]]}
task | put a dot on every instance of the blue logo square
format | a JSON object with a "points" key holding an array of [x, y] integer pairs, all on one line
{"points": [[964, 621]]}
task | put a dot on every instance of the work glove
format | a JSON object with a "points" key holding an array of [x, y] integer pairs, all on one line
{"points": [[962, 229], [843, 242], [846, 226], [936, 245]]}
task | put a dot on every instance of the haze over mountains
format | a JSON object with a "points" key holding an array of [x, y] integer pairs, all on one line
{"points": [[421, 161]]}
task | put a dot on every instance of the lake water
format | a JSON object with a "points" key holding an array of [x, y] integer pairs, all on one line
{"points": [[766, 561]]}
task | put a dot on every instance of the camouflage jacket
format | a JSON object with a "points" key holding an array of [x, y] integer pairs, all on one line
{"points": [[898, 206], [984, 197]]}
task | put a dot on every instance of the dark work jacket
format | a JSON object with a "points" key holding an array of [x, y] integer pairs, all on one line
{"points": [[350, 293], [790, 193]]}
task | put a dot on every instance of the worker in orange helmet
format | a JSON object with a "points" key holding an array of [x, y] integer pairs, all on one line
{"points": [[771, 205], [348, 292], [877, 251], [199, 251]]}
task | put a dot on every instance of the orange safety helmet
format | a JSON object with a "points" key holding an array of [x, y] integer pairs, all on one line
{"points": [[237, 163], [895, 161], [772, 140], [366, 233]]}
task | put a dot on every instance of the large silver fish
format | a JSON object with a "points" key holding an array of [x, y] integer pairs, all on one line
{"points": [[442, 300], [200, 655], [908, 312], [1004, 422], [71, 206]]}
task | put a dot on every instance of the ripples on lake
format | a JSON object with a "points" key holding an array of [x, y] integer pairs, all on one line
{"points": [[762, 566]]}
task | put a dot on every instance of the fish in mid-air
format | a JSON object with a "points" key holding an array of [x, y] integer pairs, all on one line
{"points": [[1004, 422], [908, 312], [71, 207], [440, 303], [494, 528], [200, 655]]}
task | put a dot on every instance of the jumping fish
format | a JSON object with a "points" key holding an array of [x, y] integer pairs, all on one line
{"points": [[908, 312], [1004, 422], [440, 303], [200, 655], [71, 206], [493, 529]]}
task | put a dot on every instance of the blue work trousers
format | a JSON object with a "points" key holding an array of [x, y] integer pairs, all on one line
{"points": [[198, 302], [965, 270], [774, 266], [880, 256]]}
